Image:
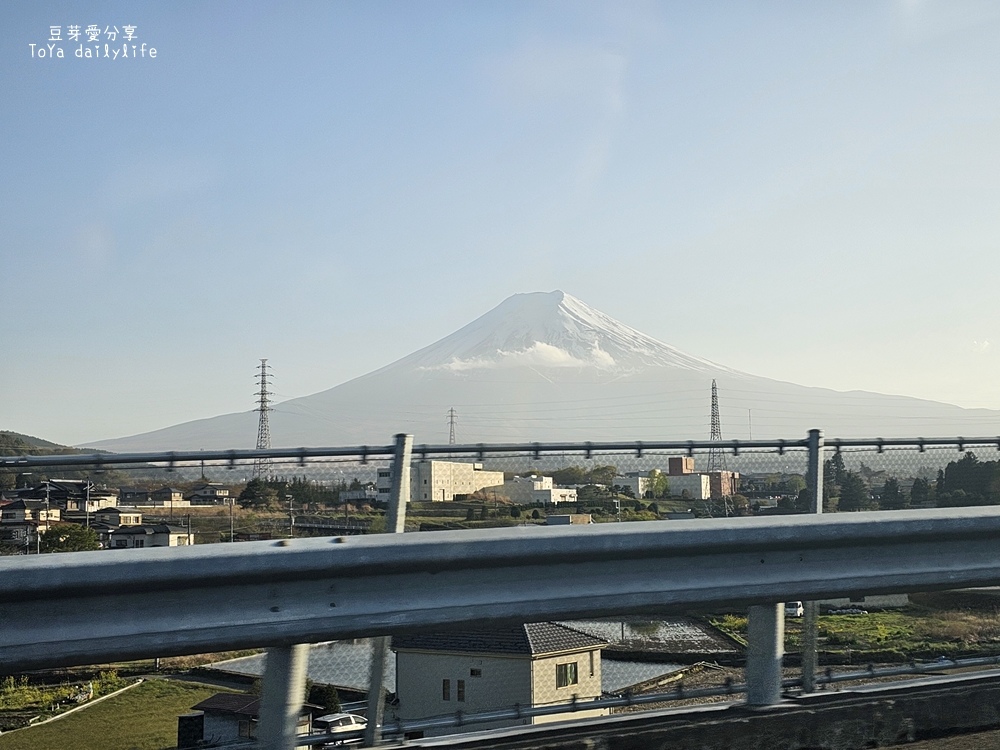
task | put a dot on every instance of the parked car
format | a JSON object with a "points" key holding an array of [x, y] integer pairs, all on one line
{"points": [[794, 609], [348, 728]]}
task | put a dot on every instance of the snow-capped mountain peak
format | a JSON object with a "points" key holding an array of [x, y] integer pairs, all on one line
{"points": [[551, 330]]}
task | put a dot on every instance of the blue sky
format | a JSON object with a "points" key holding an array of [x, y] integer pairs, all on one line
{"points": [[805, 191]]}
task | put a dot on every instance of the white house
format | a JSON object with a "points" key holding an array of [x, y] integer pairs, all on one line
{"points": [[536, 490], [150, 535], [475, 670]]}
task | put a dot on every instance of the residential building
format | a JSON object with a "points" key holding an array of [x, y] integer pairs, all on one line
{"points": [[723, 483], [228, 718], [71, 494], [150, 535], [476, 670], [440, 481], [536, 490], [363, 495], [119, 516], [677, 465], [209, 493], [168, 497], [693, 486], [29, 510], [639, 483], [133, 496]]}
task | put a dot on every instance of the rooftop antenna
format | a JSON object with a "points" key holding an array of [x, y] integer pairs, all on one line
{"points": [[451, 426], [261, 466]]}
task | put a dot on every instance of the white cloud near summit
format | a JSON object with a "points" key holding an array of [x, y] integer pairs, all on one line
{"points": [[539, 354]]}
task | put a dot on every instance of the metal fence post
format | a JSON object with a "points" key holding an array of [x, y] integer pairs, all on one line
{"points": [[281, 696], [766, 646], [810, 624], [395, 520]]}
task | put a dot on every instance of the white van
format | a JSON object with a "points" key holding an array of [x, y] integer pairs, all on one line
{"points": [[794, 609]]}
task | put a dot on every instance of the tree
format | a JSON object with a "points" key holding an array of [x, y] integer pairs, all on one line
{"points": [[68, 537], [803, 501], [661, 485], [794, 484], [837, 468], [892, 497], [920, 492], [257, 494], [603, 475], [324, 695], [853, 493]]}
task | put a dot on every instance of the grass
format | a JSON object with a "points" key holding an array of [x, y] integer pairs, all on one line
{"points": [[142, 718], [916, 632]]}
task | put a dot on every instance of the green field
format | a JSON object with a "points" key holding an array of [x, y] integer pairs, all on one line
{"points": [[933, 625], [141, 718]]}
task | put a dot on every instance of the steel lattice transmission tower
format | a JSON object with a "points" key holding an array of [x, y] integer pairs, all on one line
{"points": [[261, 466], [451, 426], [716, 455]]}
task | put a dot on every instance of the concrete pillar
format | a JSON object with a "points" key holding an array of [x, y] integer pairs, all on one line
{"points": [[765, 649], [810, 624], [281, 697], [395, 520]]}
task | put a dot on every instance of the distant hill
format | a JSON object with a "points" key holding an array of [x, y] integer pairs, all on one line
{"points": [[16, 444], [546, 366]]}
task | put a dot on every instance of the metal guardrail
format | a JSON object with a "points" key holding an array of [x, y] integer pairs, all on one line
{"points": [[538, 449], [160, 602]]}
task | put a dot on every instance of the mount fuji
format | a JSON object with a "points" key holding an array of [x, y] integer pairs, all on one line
{"points": [[546, 366]]}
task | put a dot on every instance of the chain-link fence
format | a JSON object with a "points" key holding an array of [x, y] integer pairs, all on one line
{"points": [[485, 677]]}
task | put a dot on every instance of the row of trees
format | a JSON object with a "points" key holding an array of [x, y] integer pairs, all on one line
{"points": [[965, 482]]}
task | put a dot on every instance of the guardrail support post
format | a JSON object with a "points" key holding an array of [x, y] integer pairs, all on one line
{"points": [[766, 646], [281, 697], [810, 622], [395, 520]]}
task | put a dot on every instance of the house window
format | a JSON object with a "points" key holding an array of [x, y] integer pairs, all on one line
{"points": [[446, 690], [566, 675], [475, 673], [244, 729], [460, 691], [140, 542]]}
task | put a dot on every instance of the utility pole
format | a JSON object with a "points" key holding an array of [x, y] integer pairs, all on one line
{"points": [[38, 530], [291, 518], [86, 500], [232, 528]]}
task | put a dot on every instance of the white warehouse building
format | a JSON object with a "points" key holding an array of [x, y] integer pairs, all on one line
{"points": [[440, 481]]}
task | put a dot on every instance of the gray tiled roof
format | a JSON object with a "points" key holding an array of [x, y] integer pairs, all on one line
{"points": [[234, 703], [530, 639]]}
